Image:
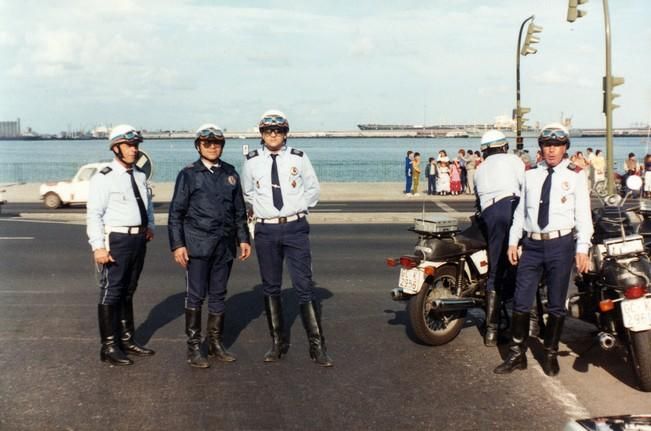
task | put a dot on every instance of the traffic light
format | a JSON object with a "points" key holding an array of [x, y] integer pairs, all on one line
{"points": [[573, 11], [614, 82], [531, 30]]}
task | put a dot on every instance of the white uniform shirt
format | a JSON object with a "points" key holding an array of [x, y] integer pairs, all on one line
{"points": [[569, 205], [298, 182], [497, 177], [111, 202]]}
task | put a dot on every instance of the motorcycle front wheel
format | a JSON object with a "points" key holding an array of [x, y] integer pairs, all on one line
{"points": [[641, 355], [430, 327]]}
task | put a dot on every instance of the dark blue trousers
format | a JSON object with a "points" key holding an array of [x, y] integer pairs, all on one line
{"points": [[208, 277], [408, 183], [498, 219], [554, 258], [274, 243], [431, 184], [119, 279]]}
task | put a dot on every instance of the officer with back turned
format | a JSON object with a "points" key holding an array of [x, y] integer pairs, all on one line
{"points": [[554, 226], [207, 220], [280, 184], [120, 221], [498, 183]]}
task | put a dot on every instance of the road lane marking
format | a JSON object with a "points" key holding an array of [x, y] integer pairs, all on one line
{"points": [[445, 207], [16, 237], [571, 405]]}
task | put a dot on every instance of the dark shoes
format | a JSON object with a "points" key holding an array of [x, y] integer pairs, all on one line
{"points": [[517, 357], [127, 331], [215, 331], [275, 321], [311, 317], [492, 318], [110, 351], [193, 331], [552, 337]]}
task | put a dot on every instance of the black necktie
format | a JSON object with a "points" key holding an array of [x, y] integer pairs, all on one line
{"points": [[141, 204], [543, 208], [275, 184]]}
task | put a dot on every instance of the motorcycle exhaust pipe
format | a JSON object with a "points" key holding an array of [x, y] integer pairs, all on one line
{"points": [[606, 341], [452, 304]]}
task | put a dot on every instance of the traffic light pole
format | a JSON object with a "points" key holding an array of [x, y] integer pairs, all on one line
{"points": [[608, 108], [518, 118]]}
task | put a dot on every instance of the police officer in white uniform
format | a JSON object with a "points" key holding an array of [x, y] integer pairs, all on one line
{"points": [[120, 221], [280, 184], [498, 184], [554, 226]]}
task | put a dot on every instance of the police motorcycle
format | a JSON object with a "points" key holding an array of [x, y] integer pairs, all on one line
{"points": [[444, 277], [615, 294]]}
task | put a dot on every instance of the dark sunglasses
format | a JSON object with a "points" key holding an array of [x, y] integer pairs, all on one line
{"points": [[270, 130], [211, 143]]}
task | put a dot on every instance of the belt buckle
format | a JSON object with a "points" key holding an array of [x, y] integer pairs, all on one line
{"points": [[282, 220], [544, 236]]}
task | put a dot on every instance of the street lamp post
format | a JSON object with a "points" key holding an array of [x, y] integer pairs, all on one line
{"points": [[609, 82], [526, 50]]}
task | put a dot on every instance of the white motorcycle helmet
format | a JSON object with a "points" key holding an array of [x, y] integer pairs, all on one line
{"points": [[493, 139], [124, 133]]}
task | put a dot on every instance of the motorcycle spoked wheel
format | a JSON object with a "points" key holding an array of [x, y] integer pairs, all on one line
{"points": [[435, 328], [640, 351]]}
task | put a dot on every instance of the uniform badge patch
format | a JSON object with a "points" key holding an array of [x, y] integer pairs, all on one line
{"points": [[294, 170], [257, 184], [563, 199], [294, 183], [231, 180], [565, 185]]}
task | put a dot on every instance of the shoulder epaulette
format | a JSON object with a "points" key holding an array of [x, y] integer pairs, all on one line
{"points": [[252, 154], [572, 167], [535, 166], [190, 166], [296, 152], [106, 170]]}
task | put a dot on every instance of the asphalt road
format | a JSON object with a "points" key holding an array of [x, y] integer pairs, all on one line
{"points": [[51, 376]]}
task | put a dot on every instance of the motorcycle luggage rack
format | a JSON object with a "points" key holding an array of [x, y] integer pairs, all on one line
{"points": [[435, 224]]}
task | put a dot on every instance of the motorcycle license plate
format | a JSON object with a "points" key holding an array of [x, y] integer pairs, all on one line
{"points": [[411, 280], [637, 314]]}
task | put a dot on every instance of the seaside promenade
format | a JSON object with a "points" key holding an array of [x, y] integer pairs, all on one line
{"points": [[330, 192]]}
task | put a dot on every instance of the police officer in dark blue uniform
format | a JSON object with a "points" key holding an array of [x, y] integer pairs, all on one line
{"points": [[280, 184], [554, 225], [120, 221], [498, 184], [207, 220]]}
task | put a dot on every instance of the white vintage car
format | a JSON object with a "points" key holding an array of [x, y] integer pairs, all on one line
{"points": [[75, 191]]}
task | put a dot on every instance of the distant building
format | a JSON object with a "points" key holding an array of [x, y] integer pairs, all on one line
{"points": [[10, 129]]}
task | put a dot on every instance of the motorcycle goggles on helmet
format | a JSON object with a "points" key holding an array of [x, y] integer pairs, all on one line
{"points": [[131, 137], [274, 122], [553, 137], [210, 134]]}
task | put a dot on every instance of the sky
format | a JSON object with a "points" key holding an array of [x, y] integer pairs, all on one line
{"points": [[329, 65]]}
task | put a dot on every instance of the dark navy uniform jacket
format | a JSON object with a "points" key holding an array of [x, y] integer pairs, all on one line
{"points": [[207, 209]]}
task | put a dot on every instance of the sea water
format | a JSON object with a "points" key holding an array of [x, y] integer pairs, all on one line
{"points": [[334, 159]]}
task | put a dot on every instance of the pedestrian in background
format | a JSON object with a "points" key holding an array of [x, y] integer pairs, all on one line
{"points": [[207, 219], [408, 171], [455, 178], [471, 166], [443, 174], [430, 173], [415, 169], [553, 224], [120, 222], [280, 184], [498, 182], [461, 164]]}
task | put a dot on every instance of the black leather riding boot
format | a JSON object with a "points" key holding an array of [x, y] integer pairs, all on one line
{"points": [[311, 317], [517, 357], [110, 351], [492, 318], [552, 337], [215, 331], [279, 346], [193, 331], [127, 331]]}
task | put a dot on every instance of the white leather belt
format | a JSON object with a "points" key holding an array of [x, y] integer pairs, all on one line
{"points": [[549, 235], [498, 198], [131, 230], [281, 220]]}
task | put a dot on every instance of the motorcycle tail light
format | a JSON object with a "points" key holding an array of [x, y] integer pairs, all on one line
{"points": [[635, 292], [409, 262], [392, 261], [429, 270], [606, 305]]}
